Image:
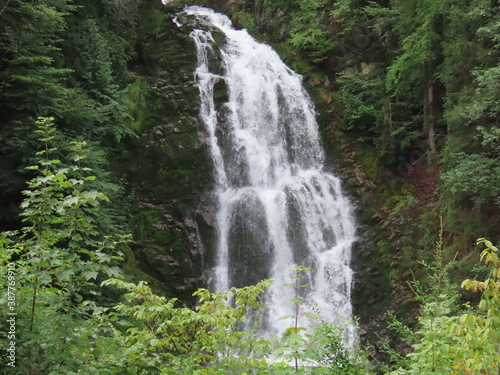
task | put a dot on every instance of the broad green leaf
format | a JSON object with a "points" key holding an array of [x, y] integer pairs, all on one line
{"points": [[90, 275]]}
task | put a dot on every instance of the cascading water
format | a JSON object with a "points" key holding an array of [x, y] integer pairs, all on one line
{"points": [[277, 207]]}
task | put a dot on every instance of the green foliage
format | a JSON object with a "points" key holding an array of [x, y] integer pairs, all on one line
{"points": [[486, 104], [29, 36], [479, 329], [403, 206], [71, 61], [486, 74], [333, 353], [371, 117], [305, 29], [427, 85], [451, 341], [314, 42], [361, 94], [158, 335], [469, 182], [282, 5], [31, 84], [396, 361], [348, 13], [56, 61], [477, 106], [294, 338], [134, 99], [95, 71], [322, 351], [472, 176], [246, 21], [57, 258], [419, 38], [220, 336]]}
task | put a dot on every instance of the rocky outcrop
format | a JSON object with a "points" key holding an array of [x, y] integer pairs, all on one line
{"points": [[166, 168]]}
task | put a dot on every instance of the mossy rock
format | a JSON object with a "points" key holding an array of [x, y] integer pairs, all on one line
{"points": [[167, 247], [166, 168]]}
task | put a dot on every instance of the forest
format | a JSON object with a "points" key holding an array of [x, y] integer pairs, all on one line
{"points": [[105, 213]]}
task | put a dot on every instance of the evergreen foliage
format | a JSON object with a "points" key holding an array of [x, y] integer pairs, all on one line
{"points": [[55, 60], [407, 78]]}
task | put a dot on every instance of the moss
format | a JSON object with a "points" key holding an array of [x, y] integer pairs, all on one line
{"points": [[243, 20], [163, 251], [134, 273], [383, 247], [134, 99]]}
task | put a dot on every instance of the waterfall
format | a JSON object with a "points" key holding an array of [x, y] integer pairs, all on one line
{"points": [[277, 206]]}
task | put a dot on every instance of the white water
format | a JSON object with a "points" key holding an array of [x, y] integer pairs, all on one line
{"points": [[277, 206]]}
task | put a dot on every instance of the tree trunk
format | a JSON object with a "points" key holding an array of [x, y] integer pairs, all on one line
{"points": [[429, 114]]}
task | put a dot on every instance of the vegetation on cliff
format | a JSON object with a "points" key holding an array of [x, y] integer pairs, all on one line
{"points": [[407, 93]]}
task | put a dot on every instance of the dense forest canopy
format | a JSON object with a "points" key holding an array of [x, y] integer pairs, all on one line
{"points": [[408, 97]]}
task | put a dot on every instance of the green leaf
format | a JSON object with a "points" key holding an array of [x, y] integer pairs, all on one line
{"points": [[113, 272], [65, 275], [44, 277], [70, 201], [311, 315], [89, 275], [291, 338]]}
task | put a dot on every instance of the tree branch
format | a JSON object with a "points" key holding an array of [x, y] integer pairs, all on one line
{"points": [[5, 6]]}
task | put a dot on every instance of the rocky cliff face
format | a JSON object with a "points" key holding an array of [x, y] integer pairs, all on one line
{"points": [[166, 168]]}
